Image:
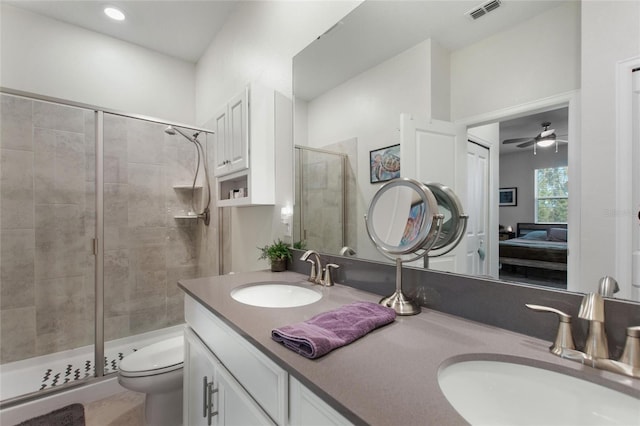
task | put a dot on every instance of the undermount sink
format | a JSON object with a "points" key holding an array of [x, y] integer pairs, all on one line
{"points": [[272, 294], [505, 393]]}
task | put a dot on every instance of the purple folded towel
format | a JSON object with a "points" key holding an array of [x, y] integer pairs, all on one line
{"points": [[330, 330]]}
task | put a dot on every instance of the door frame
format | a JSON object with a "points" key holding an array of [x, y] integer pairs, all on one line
{"points": [[491, 246], [571, 100]]}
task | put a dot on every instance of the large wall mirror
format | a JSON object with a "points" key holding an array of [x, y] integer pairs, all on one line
{"points": [[489, 107]]}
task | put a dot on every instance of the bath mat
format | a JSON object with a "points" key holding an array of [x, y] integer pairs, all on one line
{"points": [[71, 415]]}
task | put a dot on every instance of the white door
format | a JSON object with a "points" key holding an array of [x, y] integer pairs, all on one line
{"points": [[478, 252], [431, 151]]}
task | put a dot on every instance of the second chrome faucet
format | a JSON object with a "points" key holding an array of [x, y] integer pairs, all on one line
{"points": [[596, 349], [318, 274]]}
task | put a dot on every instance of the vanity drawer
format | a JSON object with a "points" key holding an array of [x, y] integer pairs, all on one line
{"points": [[262, 378]]}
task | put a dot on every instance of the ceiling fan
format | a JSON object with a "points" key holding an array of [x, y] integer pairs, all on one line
{"points": [[545, 138]]}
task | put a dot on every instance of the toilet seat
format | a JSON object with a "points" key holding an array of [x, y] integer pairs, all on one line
{"points": [[157, 358]]}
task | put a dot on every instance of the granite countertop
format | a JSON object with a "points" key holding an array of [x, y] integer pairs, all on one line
{"points": [[390, 375]]}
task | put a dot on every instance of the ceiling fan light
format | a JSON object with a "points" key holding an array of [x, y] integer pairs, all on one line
{"points": [[546, 142], [114, 13]]}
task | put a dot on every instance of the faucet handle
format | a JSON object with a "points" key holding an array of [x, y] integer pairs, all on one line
{"points": [[327, 280], [564, 337], [631, 352]]}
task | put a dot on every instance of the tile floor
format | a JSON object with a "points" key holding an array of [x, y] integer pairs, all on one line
{"points": [[122, 409]]}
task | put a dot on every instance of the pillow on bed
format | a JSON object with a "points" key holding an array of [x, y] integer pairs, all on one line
{"points": [[535, 235], [557, 234]]}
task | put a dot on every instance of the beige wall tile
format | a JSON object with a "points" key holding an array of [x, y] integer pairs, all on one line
{"points": [[18, 331], [16, 123], [16, 189], [17, 268], [58, 117]]}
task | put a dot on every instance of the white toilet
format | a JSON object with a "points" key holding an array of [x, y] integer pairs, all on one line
{"points": [[156, 370]]}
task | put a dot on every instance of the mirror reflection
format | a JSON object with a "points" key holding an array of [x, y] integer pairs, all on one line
{"points": [[403, 217], [486, 107]]}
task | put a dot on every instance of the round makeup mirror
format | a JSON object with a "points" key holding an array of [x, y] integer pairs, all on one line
{"points": [[402, 216], [404, 223], [408, 220], [454, 222]]}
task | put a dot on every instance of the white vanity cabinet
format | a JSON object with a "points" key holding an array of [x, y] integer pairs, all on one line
{"points": [[248, 388], [212, 394]]}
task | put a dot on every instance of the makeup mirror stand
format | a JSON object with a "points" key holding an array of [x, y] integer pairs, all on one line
{"points": [[398, 301]]}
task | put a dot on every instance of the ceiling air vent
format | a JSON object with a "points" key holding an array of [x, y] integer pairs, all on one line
{"points": [[483, 9]]}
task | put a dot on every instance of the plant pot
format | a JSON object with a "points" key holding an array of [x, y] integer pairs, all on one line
{"points": [[278, 265]]}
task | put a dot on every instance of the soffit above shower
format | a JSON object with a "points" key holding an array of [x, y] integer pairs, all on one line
{"points": [[181, 29]]}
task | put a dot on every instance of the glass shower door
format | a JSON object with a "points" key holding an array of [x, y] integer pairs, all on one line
{"points": [[47, 226]]}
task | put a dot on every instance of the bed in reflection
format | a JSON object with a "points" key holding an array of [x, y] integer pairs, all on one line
{"points": [[538, 254]]}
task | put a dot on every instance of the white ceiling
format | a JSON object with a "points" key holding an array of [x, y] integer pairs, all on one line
{"points": [[354, 45], [178, 28]]}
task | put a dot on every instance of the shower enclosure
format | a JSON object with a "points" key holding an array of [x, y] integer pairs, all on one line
{"points": [[320, 209], [95, 231]]}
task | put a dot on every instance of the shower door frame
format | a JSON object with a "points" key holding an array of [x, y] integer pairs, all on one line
{"points": [[98, 239]]}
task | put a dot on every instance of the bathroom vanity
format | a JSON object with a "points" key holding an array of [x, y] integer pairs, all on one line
{"points": [[390, 376]]}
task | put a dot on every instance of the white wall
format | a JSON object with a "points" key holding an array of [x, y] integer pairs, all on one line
{"points": [[534, 60], [368, 107], [51, 58], [258, 43], [610, 34], [517, 170]]}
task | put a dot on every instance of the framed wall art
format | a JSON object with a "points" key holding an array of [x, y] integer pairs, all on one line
{"points": [[384, 163], [508, 197]]}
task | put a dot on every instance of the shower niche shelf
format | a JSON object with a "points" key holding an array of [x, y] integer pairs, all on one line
{"points": [[185, 186], [182, 189]]}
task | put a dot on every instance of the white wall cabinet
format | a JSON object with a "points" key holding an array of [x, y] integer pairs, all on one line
{"points": [[245, 134], [231, 126], [251, 389], [212, 395]]}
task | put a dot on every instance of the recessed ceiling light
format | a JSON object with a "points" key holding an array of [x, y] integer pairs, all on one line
{"points": [[114, 13]]}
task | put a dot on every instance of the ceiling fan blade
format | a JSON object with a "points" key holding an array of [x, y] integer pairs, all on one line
{"points": [[517, 140], [526, 144], [546, 133]]}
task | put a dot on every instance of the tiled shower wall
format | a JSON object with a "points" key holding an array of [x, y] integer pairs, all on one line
{"points": [[47, 222]]}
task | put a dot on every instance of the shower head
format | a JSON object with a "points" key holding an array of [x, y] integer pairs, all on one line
{"points": [[170, 130]]}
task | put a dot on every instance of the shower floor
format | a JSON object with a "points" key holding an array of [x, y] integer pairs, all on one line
{"points": [[48, 371]]}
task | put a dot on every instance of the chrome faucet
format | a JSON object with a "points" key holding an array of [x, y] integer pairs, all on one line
{"points": [[592, 310], [318, 275], [596, 350], [315, 275]]}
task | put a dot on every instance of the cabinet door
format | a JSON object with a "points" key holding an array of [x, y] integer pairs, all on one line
{"points": [[234, 405], [238, 131], [308, 409], [212, 396], [199, 371], [221, 140]]}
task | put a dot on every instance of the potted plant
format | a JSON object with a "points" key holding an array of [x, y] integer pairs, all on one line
{"points": [[277, 255]]}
